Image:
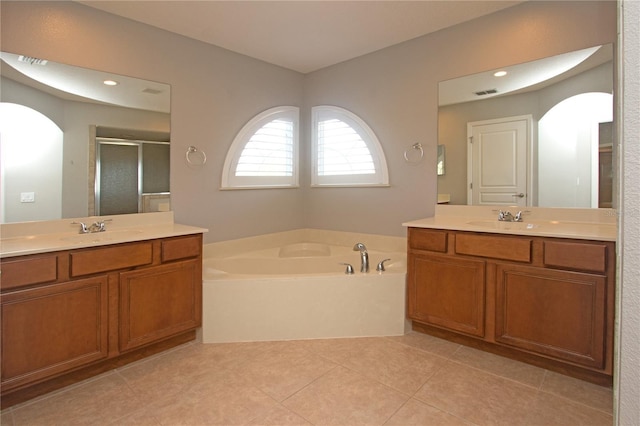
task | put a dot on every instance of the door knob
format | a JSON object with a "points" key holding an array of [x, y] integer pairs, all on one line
{"points": [[520, 195]]}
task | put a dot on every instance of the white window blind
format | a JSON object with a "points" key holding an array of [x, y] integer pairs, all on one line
{"points": [[346, 152], [269, 152], [264, 153], [341, 150]]}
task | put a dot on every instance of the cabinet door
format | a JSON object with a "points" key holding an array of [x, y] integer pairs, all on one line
{"points": [[556, 313], [447, 292], [159, 302], [53, 329]]}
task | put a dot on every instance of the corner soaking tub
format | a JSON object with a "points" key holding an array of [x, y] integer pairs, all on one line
{"points": [[301, 291]]}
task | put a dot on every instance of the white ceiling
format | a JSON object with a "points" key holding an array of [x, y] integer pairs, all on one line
{"points": [[286, 38], [302, 35]]}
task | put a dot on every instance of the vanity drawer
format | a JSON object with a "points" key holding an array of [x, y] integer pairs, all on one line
{"points": [[29, 271], [516, 249], [181, 248], [428, 239], [587, 257], [111, 258]]}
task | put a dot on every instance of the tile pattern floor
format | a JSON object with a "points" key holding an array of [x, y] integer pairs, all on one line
{"points": [[407, 380]]}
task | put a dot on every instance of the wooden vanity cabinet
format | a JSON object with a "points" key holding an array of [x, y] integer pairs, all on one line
{"points": [[447, 292], [52, 329], [556, 313], [547, 301], [159, 302], [94, 309]]}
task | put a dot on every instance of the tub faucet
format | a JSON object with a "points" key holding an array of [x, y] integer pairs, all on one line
{"points": [[364, 256]]}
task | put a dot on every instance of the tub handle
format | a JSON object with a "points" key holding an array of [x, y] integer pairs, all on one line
{"points": [[380, 267], [349, 270]]}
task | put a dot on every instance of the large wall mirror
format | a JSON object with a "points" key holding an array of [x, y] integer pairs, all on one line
{"points": [[76, 142], [533, 134]]}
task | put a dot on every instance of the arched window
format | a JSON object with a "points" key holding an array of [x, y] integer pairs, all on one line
{"points": [[264, 154], [345, 150]]}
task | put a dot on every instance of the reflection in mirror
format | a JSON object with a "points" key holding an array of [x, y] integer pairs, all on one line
{"points": [[540, 135], [440, 161], [46, 177], [131, 171]]}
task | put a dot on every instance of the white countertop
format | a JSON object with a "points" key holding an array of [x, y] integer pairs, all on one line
{"points": [[17, 239], [584, 224]]}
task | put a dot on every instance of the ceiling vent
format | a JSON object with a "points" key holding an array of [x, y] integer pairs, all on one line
{"points": [[31, 60], [152, 91], [486, 92]]}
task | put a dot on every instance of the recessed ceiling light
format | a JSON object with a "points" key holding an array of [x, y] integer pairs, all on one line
{"points": [[110, 82], [500, 74]]}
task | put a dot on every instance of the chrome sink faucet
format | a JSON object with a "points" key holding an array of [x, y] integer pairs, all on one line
{"points": [[98, 226], [364, 257], [506, 216]]}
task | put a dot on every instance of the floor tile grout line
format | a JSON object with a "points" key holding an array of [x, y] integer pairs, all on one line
{"points": [[335, 364], [155, 356], [361, 374], [539, 386], [294, 412], [580, 403], [10, 413], [396, 412], [425, 350], [309, 384], [457, 416], [60, 391], [537, 390], [492, 374]]}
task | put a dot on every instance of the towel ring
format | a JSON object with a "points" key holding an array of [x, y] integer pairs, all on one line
{"points": [[417, 147], [200, 154]]}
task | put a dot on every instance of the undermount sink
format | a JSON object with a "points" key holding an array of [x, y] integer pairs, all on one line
{"points": [[496, 224], [98, 237]]}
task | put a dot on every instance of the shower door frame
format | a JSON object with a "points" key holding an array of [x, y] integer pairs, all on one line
{"points": [[110, 141]]}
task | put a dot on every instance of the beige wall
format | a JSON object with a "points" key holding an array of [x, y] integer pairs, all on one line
{"points": [[214, 92]]}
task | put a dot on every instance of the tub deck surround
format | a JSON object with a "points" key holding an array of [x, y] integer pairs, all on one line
{"points": [[292, 285], [586, 224], [17, 239], [230, 248], [299, 259]]}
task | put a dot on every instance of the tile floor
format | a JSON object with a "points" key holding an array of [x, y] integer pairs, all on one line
{"points": [[408, 380]]}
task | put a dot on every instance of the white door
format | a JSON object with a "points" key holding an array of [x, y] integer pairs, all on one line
{"points": [[497, 161]]}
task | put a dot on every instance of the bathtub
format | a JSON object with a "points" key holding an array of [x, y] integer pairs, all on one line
{"points": [[299, 289]]}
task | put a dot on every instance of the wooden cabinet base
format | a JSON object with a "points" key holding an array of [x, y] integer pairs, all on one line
{"points": [[541, 300], [596, 377], [28, 392], [68, 315]]}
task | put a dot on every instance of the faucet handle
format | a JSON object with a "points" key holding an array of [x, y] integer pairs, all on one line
{"points": [[100, 225], [380, 267], [349, 270], [83, 227], [505, 216]]}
